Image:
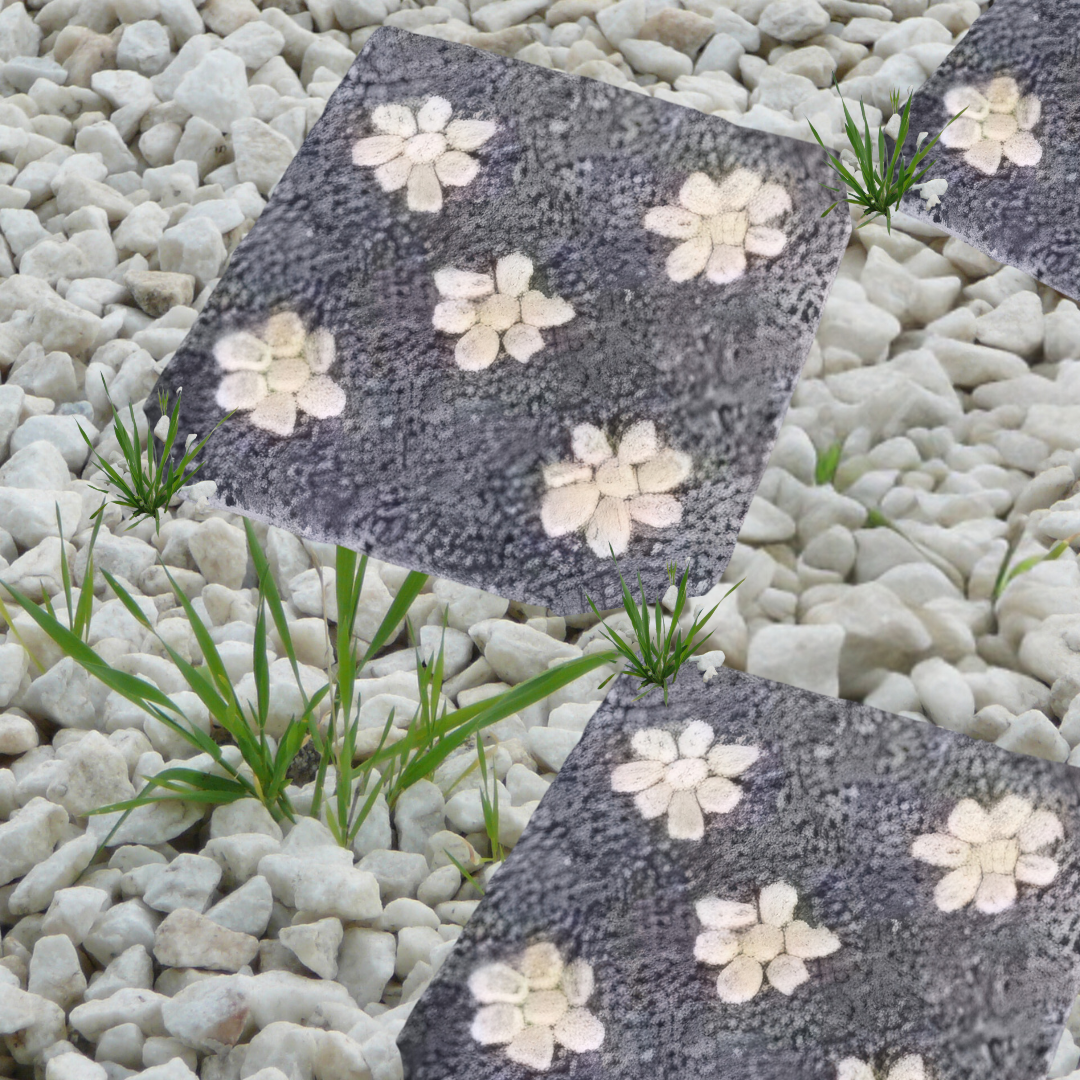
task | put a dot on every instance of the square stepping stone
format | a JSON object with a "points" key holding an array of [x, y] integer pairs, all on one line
{"points": [[762, 882], [496, 319], [1011, 161]]}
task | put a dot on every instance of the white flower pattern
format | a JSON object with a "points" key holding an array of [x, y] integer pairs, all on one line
{"points": [[988, 853], [683, 779], [490, 310], [604, 492], [909, 1067], [279, 368], [755, 942], [422, 152], [997, 124], [533, 1004], [720, 224]]}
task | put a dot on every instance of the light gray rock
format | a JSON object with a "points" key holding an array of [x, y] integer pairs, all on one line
{"points": [[188, 882], [366, 963], [315, 945], [803, 656], [420, 812], [247, 910], [55, 971], [61, 869], [517, 652], [216, 90], [551, 746], [398, 873], [1033, 733], [946, 697], [28, 837], [187, 939], [135, 1006], [72, 911], [119, 929], [210, 1015], [133, 969]]}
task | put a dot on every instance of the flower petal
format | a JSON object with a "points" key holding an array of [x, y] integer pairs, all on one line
{"points": [[544, 1007], [777, 903], [577, 982], [579, 1031], [284, 333], [718, 795], [939, 849], [320, 351], [562, 473], [394, 175], [1028, 110], [540, 310], [786, 974], [726, 263], [665, 471], [500, 312], [739, 981], [425, 194], [522, 342], [689, 258], [609, 529], [242, 351], [469, 134], [967, 97], [394, 120], [498, 983], [463, 284], [658, 511], [809, 943], [512, 273], [700, 195], [478, 349], [456, 169], [653, 802], [958, 889], [909, 1067], [377, 150], [999, 126], [730, 760], [1007, 815], [996, 893], [674, 222], [636, 775], [497, 1024], [567, 509], [768, 202], [684, 817], [533, 1048], [655, 745], [716, 947], [961, 134], [696, 739], [541, 965], [761, 240], [434, 114], [617, 480], [1023, 149], [1003, 94], [853, 1069], [969, 821], [737, 189], [321, 397], [985, 156], [1039, 831], [1035, 870], [638, 443], [287, 374], [716, 914], [276, 413], [590, 444], [454, 316], [241, 390]]}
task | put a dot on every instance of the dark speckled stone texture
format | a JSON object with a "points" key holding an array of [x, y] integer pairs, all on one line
{"points": [[440, 469], [832, 806], [1023, 216]]}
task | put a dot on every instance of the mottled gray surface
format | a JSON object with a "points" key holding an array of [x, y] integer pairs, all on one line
{"points": [[832, 807], [1023, 216], [439, 469]]}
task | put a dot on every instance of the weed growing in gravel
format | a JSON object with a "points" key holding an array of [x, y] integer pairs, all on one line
{"points": [[154, 480], [878, 186], [828, 461], [1006, 574], [658, 656]]}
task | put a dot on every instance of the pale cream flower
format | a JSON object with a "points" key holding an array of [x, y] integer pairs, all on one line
{"points": [[275, 371], [909, 1067], [719, 224], [490, 310], [603, 492], [753, 943], [422, 151], [988, 853], [683, 779], [534, 1003], [997, 123]]}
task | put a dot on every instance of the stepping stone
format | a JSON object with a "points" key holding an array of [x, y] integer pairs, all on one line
{"points": [[763, 882], [495, 319], [1011, 159]]}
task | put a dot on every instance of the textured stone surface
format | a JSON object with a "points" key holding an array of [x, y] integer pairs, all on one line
{"points": [[441, 468], [832, 807]]}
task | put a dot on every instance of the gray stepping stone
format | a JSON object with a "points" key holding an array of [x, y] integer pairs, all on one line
{"points": [[1011, 161], [495, 318], [760, 882]]}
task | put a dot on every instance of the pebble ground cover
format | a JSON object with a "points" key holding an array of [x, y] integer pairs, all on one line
{"points": [[930, 449]]}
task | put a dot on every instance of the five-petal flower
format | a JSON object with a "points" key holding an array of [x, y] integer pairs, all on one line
{"points": [[603, 491], [719, 224], [744, 938], [493, 309], [277, 369], [909, 1067], [989, 852], [533, 1003], [422, 152], [683, 779], [996, 122]]}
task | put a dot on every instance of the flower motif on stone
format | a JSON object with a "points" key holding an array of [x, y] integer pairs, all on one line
{"points": [[989, 852], [277, 369], [683, 779], [754, 942], [422, 152], [490, 310], [910, 1067], [997, 123], [720, 224], [604, 492], [534, 1003]]}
